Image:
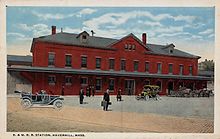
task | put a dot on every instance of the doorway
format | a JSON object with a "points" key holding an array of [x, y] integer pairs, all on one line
{"points": [[129, 87], [170, 87]]}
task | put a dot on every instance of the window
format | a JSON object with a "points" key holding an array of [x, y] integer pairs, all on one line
{"points": [[111, 64], [68, 80], [129, 47], [84, 37], [98, 63], [159, 67], [68, 61], [51, 59], [158, 83], [147, 66], [133, 47], [136, 65], [171, 68], [123, 65], [181, 69], [84, 81], [126, 46], [83, 61], [190, 70], [98, 85], [51, 80], [111, 84]]}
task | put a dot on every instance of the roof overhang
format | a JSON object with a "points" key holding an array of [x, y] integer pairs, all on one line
{"points": [[101, 72]]}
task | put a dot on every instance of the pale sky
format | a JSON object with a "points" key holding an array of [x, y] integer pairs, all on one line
{"points": [[189, 29]]}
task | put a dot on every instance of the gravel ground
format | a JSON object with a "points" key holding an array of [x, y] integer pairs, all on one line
{"points": [[187, 115], [173, 106]]}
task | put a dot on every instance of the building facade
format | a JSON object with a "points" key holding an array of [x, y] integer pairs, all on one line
{"points": [[75, 61]]}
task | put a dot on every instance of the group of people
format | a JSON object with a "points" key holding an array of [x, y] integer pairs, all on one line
{"points": [[106, 98]]}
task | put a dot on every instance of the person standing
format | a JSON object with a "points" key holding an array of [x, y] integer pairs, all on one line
{"points": [[106, 100], [62, 91], [119, 94], [81, 96], [93, 91]]}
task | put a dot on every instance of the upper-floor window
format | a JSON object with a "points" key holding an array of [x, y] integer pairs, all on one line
{"points": [[123, 64], [112, 64], [130, 47], [159, 67], [170, 68], [111, 84], [83, 80], [147, 66], [98, 63], [84, 62], [68, 61], [98, 85], [181, 69], [51, 59], [51, 79], [68, 80], [136, 65], [190, 70]]}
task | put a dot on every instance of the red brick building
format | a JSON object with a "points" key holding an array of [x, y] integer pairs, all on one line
{"points": [[81, 60]]}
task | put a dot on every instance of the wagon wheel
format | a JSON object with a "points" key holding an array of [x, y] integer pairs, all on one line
{"points": [[26, 103], [58, 104]]}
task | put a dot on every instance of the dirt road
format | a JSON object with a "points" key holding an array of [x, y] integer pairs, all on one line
{"points": [[77, 119]]}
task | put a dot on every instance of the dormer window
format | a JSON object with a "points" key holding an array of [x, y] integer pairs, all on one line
{"points": [[84, 37], [130, 47], [171, 51]]}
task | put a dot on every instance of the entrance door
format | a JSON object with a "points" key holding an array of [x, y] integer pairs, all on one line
{"points": [[129, 87], [170, 87]]}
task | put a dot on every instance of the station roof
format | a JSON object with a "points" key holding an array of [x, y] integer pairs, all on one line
{"points": [[19, 60], [102, 73], [72, 39]]}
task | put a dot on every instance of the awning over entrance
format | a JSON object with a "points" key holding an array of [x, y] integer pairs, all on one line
{"points": [[101, 72]]}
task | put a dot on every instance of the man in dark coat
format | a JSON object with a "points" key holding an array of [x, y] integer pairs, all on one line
{"points": [[81, 96], [106, 100], [119, 94]]}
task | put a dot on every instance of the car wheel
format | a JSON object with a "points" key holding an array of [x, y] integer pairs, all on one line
{"points": [[58, 104], [26, 103]]}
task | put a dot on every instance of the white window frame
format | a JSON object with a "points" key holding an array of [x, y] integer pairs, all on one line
{"points": [[51, 83], [109, 84], [100, 62], [189, 70], [86, 81], [71, 60], [180, 69], [101, 84], [121, 65], [49, 59], [137, 65], [148, 66], [109, 63], [159, 72], [67, 83], [86, 61], [169, 68]]}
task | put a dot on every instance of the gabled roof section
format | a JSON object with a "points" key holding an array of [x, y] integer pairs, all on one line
{"points": [[130, 35], [161, 50], [72, 39]]}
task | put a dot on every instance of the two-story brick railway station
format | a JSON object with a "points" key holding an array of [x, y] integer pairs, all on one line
{"points": [[81, 60]]}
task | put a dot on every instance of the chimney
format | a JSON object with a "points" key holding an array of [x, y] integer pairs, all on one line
{"points": [[53, 30], [144, 38]]}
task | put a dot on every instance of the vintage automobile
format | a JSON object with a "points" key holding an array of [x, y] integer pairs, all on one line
{"points": [[149, 92], [40, 99]]}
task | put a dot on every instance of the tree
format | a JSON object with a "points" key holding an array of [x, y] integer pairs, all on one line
{"points": [[207, 65]]}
